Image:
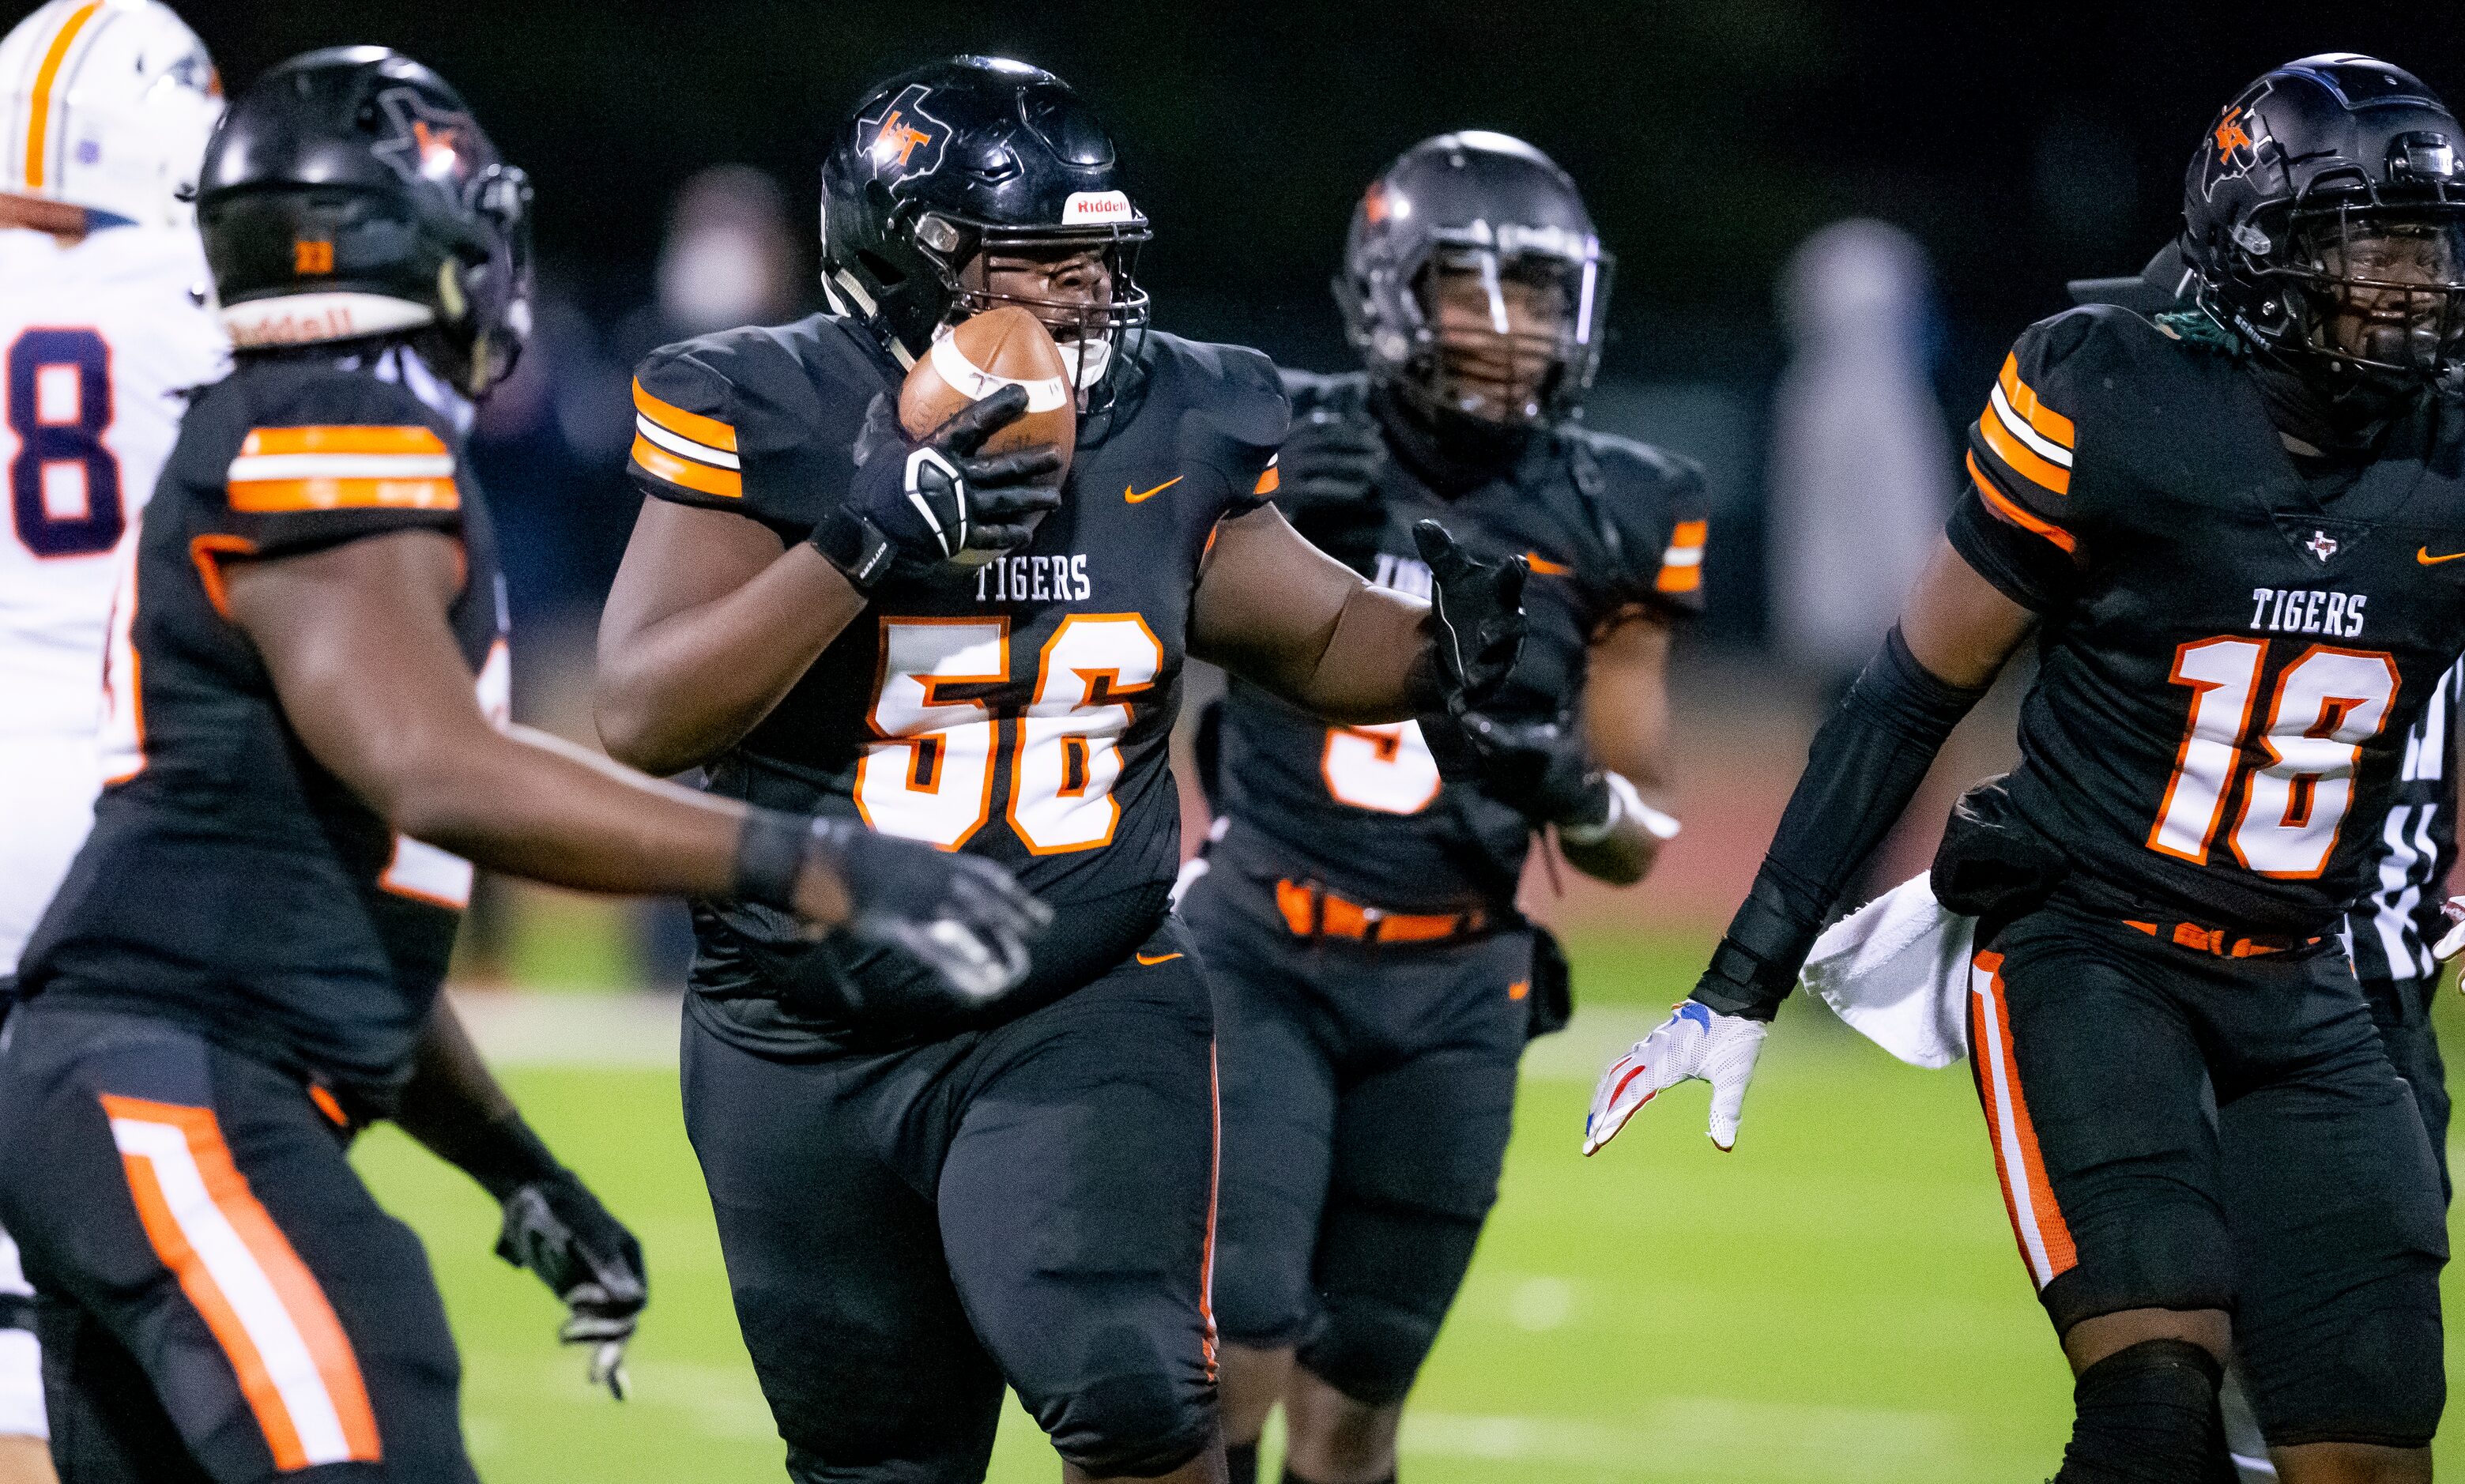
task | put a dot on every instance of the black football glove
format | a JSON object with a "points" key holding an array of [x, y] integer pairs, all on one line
{"points": [[1326, 479], [968, 919], [557, 1229], [1542, 769], [1479, 609], [933, 500]]}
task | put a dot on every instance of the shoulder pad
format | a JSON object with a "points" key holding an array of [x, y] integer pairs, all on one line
{"points": [[707, 408], [1648, 507], [324, 455]]}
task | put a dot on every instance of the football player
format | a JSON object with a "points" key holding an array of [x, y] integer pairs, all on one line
{"points": [[2229, 532], [104, 327], [828, 613], [1374, 984], [306, 676]]}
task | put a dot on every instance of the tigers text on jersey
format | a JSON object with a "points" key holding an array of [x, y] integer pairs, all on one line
{"points": [[1610, 527], [100, 340], [231, 883], [1017, 709], [2232, 662]]}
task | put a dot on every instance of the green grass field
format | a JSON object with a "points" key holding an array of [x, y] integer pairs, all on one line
{"points": [[1839, 1301]]}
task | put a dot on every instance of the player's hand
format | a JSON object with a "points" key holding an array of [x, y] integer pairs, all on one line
{"points": [[557, 1229], [2452, 941], [1540, 768], [935, 499], [968, 919], [1326, 479], [1694, 1042], [1479, 609]]}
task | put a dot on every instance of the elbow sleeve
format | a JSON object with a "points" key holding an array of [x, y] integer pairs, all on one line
{"points": [[1865, 765]]}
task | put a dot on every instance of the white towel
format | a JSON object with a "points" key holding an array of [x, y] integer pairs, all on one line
{"points": [[1896, 970]]}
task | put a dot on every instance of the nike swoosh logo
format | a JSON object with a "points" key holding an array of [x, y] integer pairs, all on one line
{"points": [[2422, 554], [1161, 958], [1153, 493]]}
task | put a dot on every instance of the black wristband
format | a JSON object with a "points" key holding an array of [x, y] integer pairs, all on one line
{"points": [[769, 855], [855, 547], [506, 1155]]}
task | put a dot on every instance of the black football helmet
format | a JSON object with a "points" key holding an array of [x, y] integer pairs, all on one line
{"points": [[1494, 205], [940, 163], [2323, 222], [350, 193]]}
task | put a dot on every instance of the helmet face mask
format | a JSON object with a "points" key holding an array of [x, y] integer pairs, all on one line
{"points": [[1499, 334], [1474, 284], [1082, 289], [2379, 289]]}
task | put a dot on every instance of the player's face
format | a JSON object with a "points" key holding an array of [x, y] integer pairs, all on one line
{"points": [[1499, 349], [2395, 298], [1058, 285]]}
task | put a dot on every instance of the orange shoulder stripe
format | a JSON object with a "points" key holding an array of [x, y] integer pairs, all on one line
{"points": [[2010, 511], [2023, 401], [2022, 458], [683, 424], [343, 439], [290, 497], [708, 480]]}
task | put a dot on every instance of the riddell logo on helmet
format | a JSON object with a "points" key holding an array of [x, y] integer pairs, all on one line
{"points": [[1095, 205], [904, 141]]}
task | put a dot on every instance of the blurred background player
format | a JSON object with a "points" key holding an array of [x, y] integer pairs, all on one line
{"points": [[1374, 984], [825, 612], [104, 327], [2233, 526], [242, 967]]}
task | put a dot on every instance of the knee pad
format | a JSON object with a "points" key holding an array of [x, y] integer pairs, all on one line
{"points": [[1370, 1351], [2148, 1414], [2377, 1378], [1133, 1426]]}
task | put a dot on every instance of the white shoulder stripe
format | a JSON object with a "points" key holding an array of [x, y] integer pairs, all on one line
{"points": [[2016, 426], [251, 467], [684, 447]]}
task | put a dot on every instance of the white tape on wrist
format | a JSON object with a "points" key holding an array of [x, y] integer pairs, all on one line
{"points": [[1625, 804]]}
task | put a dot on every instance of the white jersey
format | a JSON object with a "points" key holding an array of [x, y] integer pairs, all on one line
{"points": [[100, 340]]}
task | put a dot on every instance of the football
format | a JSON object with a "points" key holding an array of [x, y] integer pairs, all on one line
{"points": [[980, 356]]}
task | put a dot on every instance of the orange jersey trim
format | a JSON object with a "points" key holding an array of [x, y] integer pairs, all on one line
{"points": [[284, 496], [2010, 511], [1543, 566], [2022, 458], [2027, 1198], [378, 439], [38, 126], [683, 424], [205, 551], [1268, 482], [293, 1288], [661, 464], [2023, 401]]}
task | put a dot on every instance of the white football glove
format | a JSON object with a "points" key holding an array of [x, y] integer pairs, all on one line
{"points": [[2454, 943], [1695, 1041]]}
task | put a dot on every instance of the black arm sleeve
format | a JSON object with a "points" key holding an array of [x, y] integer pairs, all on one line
{"points": [[1864, 767]]}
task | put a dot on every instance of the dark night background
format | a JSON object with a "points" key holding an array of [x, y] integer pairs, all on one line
{"points": [[2023, 143]]}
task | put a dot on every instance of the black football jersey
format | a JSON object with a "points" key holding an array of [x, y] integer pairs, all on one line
{"points": [[2391, 929], [230, 883], [1609, 526], [1018, 708], [2234, 652]]}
